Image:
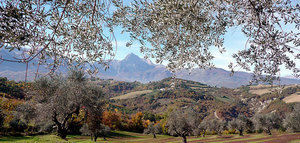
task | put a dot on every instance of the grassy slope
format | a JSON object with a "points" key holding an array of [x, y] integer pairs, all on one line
{"points": [[128, 137], [132, 94]]}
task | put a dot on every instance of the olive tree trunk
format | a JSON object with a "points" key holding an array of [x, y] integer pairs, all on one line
{"points": [[184, 139]]}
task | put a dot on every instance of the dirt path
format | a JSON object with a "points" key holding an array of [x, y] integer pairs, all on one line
{"points": [[285, 139], [224, 138], [276, 138], [273, 139]]}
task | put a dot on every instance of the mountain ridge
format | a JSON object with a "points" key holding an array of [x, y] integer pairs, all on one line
{"points": [[133, 68]]}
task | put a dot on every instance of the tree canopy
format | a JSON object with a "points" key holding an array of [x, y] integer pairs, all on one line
{"points": [[56, 32], [57, 100], [181, 32]]}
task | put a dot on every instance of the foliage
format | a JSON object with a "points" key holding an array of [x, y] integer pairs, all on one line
{"points": [[8, 108], [58, 99], [182, 32], [232, 111], [95, 130], [292, 120], [152, 117], [239, 123], [113, 119], [30, 114], [76, 122], [267, 122], [153, 129], [137, 123], [17, 125], [12, 89], [2, 117], [56, 32], [182, 123], [202, 128], [216, 125]]}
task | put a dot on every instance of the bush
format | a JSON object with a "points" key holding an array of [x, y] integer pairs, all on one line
{"points": [[17, 126], [137, 123]]}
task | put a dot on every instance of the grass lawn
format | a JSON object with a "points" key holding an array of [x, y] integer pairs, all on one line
{"points": [[129, 137]]}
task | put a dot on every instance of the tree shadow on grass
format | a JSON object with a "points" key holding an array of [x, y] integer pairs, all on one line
{"points": [[112, 135], [14, 138], [226, 137], [118, 134]]}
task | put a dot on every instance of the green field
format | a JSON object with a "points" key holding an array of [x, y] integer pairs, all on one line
{"points": [[132, 94], [128, 137]]}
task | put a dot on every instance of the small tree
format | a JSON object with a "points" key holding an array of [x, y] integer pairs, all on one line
{"points": [[239, 124], [93, 125], [181, 123], [95, 130], [113, 119], [136, 122], [267, 122], [153, 129], [216, 125], [292, 120], [201, 128]]}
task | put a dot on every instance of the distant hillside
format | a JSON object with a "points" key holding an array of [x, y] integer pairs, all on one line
{"points": [[132, 94], [134, 68], [208, 101]]}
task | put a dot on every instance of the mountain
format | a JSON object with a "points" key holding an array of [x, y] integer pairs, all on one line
{"points": [[134, 68]]}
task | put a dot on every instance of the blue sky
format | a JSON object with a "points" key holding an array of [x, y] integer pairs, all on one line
{"points": [[234, 40]]}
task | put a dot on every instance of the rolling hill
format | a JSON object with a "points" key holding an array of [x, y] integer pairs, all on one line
{"points": [[209, 101]]}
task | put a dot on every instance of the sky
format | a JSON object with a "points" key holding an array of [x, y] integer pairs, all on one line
{"points": [[234, 41]]}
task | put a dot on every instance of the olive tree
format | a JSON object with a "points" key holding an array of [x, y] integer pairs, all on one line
{"points": [[55, 32], [239, 123], [58, 98], [181, 123], [201, 128], [184, 32], [216, 125], [267, 122], [292, 120], [95, 130], [153, 129], [181, 32]]}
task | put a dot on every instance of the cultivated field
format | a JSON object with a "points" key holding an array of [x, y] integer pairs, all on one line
{"points": [[263, 89], [132, 94], [128, 137], [292, 98]]}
